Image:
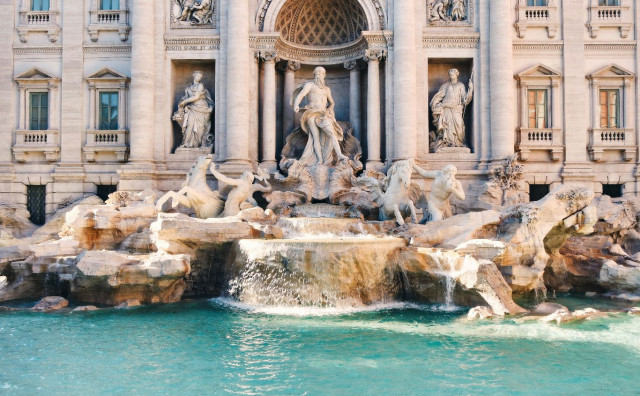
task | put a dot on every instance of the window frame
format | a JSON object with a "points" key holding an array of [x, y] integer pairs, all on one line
{"points": [[546, 3], [607, 107], [30, 108], [109, 106], [40, 4], [536, 105], [112, 2]]}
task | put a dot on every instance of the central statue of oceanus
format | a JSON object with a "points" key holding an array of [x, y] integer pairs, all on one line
{"points": [[319, 122]]}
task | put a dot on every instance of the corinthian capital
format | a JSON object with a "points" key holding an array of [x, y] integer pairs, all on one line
{"points": [[292, 66], [269, 56], [373, 54]]}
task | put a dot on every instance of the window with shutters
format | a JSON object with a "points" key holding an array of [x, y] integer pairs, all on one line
{"points": [[39, 111], [109, 5], [40, 5], [610, 108], [537, 108], [108, 111], [537, 3]]}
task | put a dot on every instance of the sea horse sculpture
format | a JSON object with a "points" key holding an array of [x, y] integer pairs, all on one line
{"points": [[396, 195], [196, 193]]}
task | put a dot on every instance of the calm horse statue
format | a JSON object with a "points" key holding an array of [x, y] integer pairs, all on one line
{"points": [[196, 193], [396, 195]]}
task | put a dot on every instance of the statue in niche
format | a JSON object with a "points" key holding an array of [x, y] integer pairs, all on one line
{"points": [[448, 107], [447, 10], [195, 12], [319, 122], [194, 115], [444, 185]]}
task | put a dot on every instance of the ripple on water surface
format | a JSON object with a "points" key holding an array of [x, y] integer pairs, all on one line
{"points": [[214, 347]]}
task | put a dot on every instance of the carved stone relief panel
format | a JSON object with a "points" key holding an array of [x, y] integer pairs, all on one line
{"points": [[189, 14], [449, 12]]}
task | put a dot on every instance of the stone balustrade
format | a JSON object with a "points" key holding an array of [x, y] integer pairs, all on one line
{"points": [[32, 142], [547, 139], [537, 16], [107, 142], [109, 21], [39, 21], [612, 139], [620, 17]]}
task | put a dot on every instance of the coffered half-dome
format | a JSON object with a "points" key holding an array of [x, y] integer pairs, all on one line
{"points": [[321, 22]]}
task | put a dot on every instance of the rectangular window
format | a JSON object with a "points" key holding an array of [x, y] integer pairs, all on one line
{"points": [[610, 108], [39, 5], [609, 3], [613, 190], [108, 111], [103, 190], [109, 4], [537, 3], [36, 204], [538, 191], [537, 109], [39, 111]]}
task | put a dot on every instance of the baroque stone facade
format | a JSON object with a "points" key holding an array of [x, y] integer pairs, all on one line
{"points": [[94, 85]]}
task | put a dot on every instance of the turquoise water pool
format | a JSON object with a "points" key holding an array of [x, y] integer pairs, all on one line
{"points": [[213, 347]]}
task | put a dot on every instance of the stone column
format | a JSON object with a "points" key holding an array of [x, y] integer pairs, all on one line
{"points": [[238, 80], [404, 79], [122, 113], [373, 109], [93, 108], [142, 82], [501, 80], [22, 112], [354, 97], [269, 60], [288, 115]]}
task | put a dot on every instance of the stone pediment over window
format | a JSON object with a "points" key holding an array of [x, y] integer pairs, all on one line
{"points": [[612, 71], [34, 74], [539, 71], [107, 74]]}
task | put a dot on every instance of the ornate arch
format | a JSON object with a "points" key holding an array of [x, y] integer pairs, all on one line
{"points": [[269, 9]]}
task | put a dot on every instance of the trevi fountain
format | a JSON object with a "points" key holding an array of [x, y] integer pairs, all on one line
{"points": [[354, 263]]}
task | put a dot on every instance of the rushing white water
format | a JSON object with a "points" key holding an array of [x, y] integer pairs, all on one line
{"points": [[452, 267]]}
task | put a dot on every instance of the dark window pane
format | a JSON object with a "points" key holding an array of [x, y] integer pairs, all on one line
{"points": [[538, 191], [612, 190], [36, 204]]}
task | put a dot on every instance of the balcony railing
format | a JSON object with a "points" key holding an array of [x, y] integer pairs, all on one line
{"points": [[612, 139], [32, 142], [547, 139], [39, 21], [537, 16], [610, 17], [107, 142], [109, 20]]}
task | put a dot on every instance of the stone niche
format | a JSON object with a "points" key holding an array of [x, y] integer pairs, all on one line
{"points": [[182, 76], [338, 80], [439, 74]]}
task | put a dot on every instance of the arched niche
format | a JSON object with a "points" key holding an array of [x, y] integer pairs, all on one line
{"points": [[269, 10]]}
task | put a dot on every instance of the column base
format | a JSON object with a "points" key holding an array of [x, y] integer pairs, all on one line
{"points": [[375, 166], [271, 166], [235, 168]]}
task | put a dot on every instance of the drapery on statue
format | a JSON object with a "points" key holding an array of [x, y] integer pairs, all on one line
{"points": [[448, 106], [197, 12], [447, 10], [194, 115], [319, 122], [444, 185]]}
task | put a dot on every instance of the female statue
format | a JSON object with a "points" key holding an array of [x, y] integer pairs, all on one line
{"points": [[194, 115]]}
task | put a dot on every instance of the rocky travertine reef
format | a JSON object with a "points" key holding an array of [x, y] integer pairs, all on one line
{"points": [[125, 252]]}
